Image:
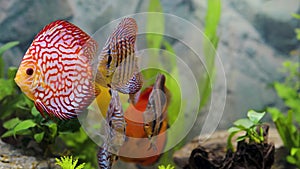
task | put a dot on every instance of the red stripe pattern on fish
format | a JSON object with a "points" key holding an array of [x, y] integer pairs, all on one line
{"points": [[56, 70]]}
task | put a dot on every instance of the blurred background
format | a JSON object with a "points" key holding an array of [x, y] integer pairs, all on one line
{"points": [[255, 38]]}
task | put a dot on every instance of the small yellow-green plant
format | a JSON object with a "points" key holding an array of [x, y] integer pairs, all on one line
{"points": [[249, 126], [169, 166], [67, 162]]}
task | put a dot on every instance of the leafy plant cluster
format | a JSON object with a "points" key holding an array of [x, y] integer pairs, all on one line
{"points": [[20, 120], [251, 126], [287, 121], [67, 162]]}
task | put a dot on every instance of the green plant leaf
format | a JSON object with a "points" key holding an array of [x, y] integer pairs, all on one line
{"points": [[284, 91], [291, 159], [155, 24], [275, 113], [34, 111], [6, 88], [53, 130], [39, 136], [2, 50], [8, 46], [295, 15], [11, 123], [233, 129], [7, 134], [294, 151], [255, 117], [241, 138], [243, 123], [11, 72], [23, 125]]}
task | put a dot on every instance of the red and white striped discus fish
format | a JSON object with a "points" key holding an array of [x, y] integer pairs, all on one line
{"points": [[56, 71], [118, 64]]}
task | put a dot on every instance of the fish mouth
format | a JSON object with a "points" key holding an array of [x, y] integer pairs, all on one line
{"points": [[22, 82]]}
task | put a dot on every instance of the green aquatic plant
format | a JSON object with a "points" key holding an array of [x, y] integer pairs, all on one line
{"points": [[251, 126], [210, 44], [3, 49], [288, 123], [169, 166], [67, 162], [297, 30]]}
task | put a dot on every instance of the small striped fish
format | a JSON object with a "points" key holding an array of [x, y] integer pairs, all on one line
{"points": [[116, 121], [156, 108], [105, 158], [135, 129], [56, 70], [118, 64]]}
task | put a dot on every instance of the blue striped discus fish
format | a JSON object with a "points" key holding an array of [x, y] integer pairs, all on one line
{"points": [[116, 121], [105, 158], [118, 64], [156, 109]]}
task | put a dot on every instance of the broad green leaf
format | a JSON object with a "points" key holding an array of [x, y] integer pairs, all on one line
{"points": [[295, 15], [294, 104], [255, 117], [8, 46], [53, 129], [6, 88], [11, 72], [245, 123], [7, 134], [275, 113], [24, 125], [34, 111], [291, 159], [285, 91], [2, 50], [39, 137], [233, 129], [295, 151], [11, 123]]}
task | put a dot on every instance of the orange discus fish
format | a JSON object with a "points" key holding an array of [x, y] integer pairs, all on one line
{"points": [[134, 117], [56, 70]]}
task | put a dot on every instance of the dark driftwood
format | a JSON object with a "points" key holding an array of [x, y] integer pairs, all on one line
{"points": [[212, 154]]}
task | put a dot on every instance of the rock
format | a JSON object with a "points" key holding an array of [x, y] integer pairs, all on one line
{"points": [[273, 20], [91, 15], [249, 65], [22, 19], [11, 158]]}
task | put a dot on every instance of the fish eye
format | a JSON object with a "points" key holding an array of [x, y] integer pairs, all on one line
{"points": [[29, 71]]}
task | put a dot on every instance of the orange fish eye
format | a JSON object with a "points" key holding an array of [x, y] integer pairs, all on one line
{"points": [[29, 71]]}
